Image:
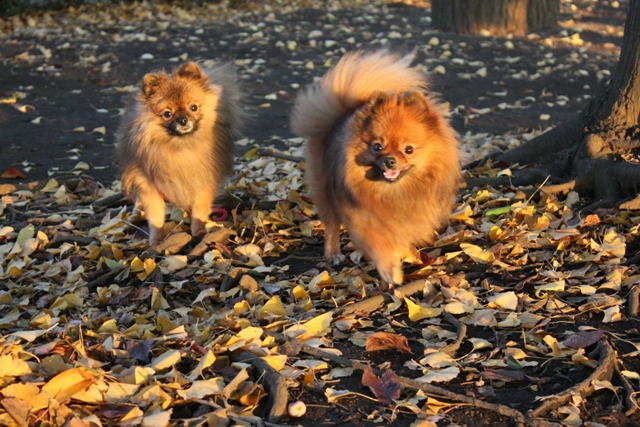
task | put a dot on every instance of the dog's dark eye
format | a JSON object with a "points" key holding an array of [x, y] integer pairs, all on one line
{"points": [[376, 147], [193, 107], [167, 114], [408, 149]]}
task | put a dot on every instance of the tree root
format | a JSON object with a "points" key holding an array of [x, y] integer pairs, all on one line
{"points": [[104, 279], [461, 334], [372, 303], [630, 402], [272, 152], [274, 383], [604, 371], [633, 301], [429, 388], [107, 202]]}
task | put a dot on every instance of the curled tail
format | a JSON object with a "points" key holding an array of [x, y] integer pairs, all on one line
{"points": [[231, 117], [348, 85]]}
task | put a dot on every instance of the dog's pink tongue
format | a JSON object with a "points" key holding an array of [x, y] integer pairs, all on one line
{"points": [[391, 174]]}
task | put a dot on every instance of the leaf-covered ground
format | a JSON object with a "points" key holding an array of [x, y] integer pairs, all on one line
{"points": [[522, 300]]}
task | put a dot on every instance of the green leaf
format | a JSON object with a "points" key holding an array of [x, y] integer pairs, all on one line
{"points": [[493, 213]]}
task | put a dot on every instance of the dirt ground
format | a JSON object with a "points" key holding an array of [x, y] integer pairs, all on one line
{"points": [[72, 73]]}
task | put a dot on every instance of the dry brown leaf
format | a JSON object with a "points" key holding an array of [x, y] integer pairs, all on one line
{"points": [[583, 339], [387, 341], [386, 389]]}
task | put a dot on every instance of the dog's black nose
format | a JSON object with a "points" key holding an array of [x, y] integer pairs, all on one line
{"points": [[182, 120], [389, 162]]}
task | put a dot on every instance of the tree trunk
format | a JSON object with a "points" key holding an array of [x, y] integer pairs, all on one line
{"points": [[496, 16], [592, 151]]}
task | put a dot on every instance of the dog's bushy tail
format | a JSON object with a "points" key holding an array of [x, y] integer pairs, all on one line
{"points": [[349, 85], [231, 117]]}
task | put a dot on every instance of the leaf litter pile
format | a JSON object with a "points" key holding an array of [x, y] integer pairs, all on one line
{"points": [[523, 311]]}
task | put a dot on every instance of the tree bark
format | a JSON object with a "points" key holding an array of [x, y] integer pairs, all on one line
{"points": [[496, 16], [591, 150]]}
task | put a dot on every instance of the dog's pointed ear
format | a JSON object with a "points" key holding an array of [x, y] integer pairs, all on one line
{"points": [[416, 99], [151, 82], [190, 70], [377, 98]]}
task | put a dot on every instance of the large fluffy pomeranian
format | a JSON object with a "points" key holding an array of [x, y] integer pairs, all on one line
{"points": [[382, 159], [175, 142]]}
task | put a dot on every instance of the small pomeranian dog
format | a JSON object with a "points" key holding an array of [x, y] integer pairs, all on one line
{"points": [[381, 157], [175, 142]]}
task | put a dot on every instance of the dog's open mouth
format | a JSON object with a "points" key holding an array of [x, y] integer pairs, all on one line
{"points": [[392, 175]]}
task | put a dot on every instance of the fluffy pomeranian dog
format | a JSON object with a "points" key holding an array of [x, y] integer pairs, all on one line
{"points": [[381, 157], [175, 142]]}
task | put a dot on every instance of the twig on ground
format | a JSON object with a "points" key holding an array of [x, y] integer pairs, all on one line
{"points": [[633, 301], [104, 279], [370, 304], [428, 388], [294, 257], [107, 202], [275, 384], [604, 371], [461, 334], [271, 152]]}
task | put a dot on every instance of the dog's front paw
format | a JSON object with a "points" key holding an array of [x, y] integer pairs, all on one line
{"points": [[156, 237], [198, 228], [390, 276], [335, 259]]}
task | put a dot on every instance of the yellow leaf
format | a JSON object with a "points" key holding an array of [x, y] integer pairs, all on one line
{"points": [[418, 312], [542, 290], [251, 153], [158, 302], [319, 325], [28, 392], [458, 308], [205, 361], [51, 186], [101, 130], [153, 394], [316, 327], [175, 262], [553, 344], [480, 344], [120, 392], [507, 300], [67, 383], [320, 281], [160, 419], [273, 306], [495, 233], [299, 293], [477, 254], [240, 307], [13, 366], [109, 327], [578, 358], [149, 266], [137, 265], [251, 334], [276, 361], [166, 360], [201, 389]]}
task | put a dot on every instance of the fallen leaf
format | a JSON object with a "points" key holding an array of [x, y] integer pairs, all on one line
{"points": [[386, 389], [583, 339], [13, 173], [387, 341]]}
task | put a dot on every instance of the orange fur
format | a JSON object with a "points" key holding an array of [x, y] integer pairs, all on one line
{"points": [[359, 121], [175, 142]]}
